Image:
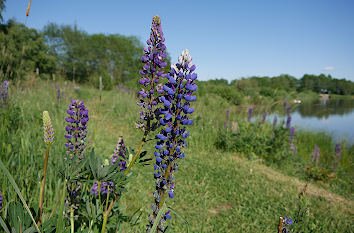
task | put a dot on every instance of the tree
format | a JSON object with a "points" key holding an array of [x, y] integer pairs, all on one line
{"points": [[2, 8]]}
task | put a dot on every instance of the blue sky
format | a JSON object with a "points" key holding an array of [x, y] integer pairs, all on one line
{"points": [[227, 39]]}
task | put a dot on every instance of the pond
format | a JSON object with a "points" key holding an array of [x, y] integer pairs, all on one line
{"points": [[336, 116]]}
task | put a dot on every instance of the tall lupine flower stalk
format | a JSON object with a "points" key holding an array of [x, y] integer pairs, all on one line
{"points": [[275, 120], [250, 111], [48, 132], [154, 61], [76, 130], [4, 92], [316, 155], [288, 122], [337, 151], [174, 117], [118, 159], [292, 134], [264, 116], [1, 200]]}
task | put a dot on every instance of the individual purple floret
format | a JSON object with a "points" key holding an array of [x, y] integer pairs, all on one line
{"points": [[338, 151], [264, 116], [174, 116], [288, 122], [4, 92], [1, 199], [250, 111], [155, 60], [120, 155], [76, 130]]}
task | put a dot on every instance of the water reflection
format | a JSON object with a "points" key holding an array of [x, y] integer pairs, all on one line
{"points": [[335, 116], [325, 108]]}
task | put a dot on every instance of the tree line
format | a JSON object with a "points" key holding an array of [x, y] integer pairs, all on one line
{"points": [[66, 51]]}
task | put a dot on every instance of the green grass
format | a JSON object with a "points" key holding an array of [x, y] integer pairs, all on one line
{"points": [[216, 191]]}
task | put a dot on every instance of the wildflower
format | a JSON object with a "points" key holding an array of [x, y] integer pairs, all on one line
{"points": [[288, 122], [118, 159], [58, 94], [316, 154], [250, 111], [288, 110], [294, 150], [76, 129], [275, 120], [155, 60], [47, 128], [104, 188], [1, 199], [337, 150], [120, 154], [4, 92], [285, 102], [286, 222], [264, 115], [174, 117]]}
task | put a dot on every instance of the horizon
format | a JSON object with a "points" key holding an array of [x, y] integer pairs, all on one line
{"points": [[240, 40]]}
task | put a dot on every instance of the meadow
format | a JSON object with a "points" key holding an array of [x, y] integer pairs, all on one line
{"points": [[228, 182]]}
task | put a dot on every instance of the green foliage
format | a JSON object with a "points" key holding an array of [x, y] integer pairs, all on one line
{"points": [[23, 49]]}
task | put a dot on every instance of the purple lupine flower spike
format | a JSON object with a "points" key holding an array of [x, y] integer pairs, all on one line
{"points": [[174, 116], [250, 111], [1, 199], [338, 151], [288, 122], [120, 155], [4, 92], [154, 61], [264, 116], [285, 102], [76, 129], [275, 120], [316, 154]]}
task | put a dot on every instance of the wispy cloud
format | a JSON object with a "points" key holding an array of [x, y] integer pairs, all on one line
{"points": [[328, 68]]}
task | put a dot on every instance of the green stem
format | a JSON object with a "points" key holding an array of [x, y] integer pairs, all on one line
{"points": [[105, 217], [72, 220], [43, 182], [143, 140]]}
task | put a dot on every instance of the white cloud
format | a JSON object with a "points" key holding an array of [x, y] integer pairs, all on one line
{"points": [[328, 68]]}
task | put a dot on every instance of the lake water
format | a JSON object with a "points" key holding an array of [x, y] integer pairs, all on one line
{"points": [[335, 116]]}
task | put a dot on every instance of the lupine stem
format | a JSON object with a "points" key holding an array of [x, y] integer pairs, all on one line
{"points": [[43, 182], [72, 220], [280, 225], [106, 214], [143, 140]]}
